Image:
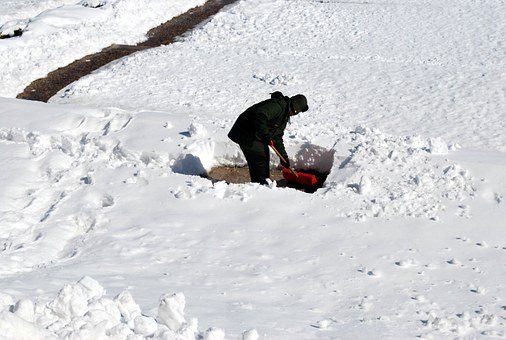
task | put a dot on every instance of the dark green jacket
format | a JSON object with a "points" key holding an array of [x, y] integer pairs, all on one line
{"points": [[263, 122]]}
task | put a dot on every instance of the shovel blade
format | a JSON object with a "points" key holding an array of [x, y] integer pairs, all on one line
{"points": [[301, 178]]}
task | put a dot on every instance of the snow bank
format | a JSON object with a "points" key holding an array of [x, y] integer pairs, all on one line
{"points": [[88, 25], [393, 175], [82, 310]]}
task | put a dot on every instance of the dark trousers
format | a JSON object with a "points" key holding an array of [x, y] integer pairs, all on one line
{"points": [[258, 162]]}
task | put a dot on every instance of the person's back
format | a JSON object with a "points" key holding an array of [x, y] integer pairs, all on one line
{"points": [[261, 125], [244, 130]]}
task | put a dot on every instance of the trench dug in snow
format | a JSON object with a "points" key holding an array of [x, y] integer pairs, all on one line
{"points": [[232, 174], [309, 158]]}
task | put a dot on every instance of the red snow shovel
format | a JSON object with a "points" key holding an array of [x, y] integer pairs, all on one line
{"points": [[292, 176]]}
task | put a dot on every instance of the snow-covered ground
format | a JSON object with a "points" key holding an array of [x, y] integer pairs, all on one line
{"points": [[406, 238], [61, 34], [24, 9], [435, 68]]}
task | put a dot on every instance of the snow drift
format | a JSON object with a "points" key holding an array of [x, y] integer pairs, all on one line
{"points": [[82, 310]]}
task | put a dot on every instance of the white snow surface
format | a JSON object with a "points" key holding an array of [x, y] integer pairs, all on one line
{"points": [[406, 238], [68, 31], [434, 68], [25, 9]]}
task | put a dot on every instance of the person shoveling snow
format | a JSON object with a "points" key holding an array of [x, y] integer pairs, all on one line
{"points": [[263, 125]]}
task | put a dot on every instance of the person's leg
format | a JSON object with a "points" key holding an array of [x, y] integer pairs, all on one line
{"points": [[258, 162], [266, 162]]}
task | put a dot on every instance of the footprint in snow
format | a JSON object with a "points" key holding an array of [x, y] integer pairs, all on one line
{"points": [[478, 290], [84, 222], [86, 180], [37, 237], [464, 211], [455, 262], [419, 298], [482, 244], [322, 324], [138, 177], [407, 263], [463, 239], [370, 272], [478, 270], [107, 201], [431, 266], [365, 304]]}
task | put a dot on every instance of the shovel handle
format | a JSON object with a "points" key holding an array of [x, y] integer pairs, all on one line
{"points": [[282, 158]]}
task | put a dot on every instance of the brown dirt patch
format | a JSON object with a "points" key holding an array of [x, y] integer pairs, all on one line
{"points": [[239, 175], [43, 89]]}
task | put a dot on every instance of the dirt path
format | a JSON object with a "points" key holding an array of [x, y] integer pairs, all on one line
{"points": [[165, 34]]}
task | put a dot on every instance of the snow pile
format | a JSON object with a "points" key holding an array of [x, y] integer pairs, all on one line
{"points": [[81, 310], [464, 324], [13, 28], [392, 175], [90, 25]]}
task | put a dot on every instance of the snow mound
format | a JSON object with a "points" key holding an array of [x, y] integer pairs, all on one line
{"points": [[386, 175], [13, 28], [464, 324], [196, 158], [81, 310]]}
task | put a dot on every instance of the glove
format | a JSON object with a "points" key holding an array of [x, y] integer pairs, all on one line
{"points": [[285, 164]]}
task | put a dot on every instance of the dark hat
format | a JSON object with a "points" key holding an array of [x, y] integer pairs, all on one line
{"points": [[299, 103]]}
